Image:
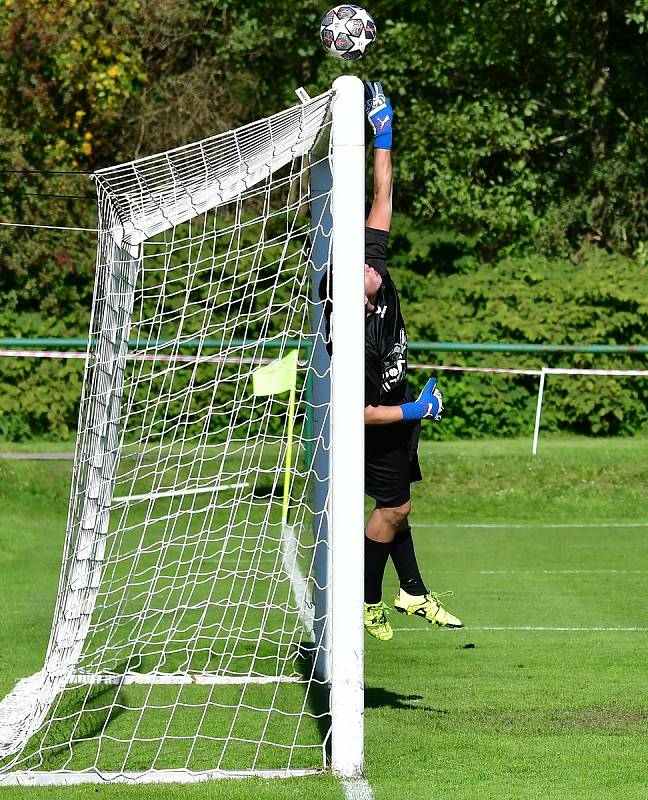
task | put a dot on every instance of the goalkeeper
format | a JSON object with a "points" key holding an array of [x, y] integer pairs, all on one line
{"points": [[392, 416]]}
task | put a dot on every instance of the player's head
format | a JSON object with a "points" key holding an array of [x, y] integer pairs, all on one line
{"points": [[375, 259], [372, 280], [375, 266]]}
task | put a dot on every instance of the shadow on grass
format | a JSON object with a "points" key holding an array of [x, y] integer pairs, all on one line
{"points": [[374, 697], [318, 694], [377, 697]]}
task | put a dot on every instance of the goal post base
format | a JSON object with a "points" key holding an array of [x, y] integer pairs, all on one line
{"points": [[178, 679], [28, 778]]}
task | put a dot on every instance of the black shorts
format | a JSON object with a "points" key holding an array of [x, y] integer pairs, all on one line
{"points": [[391, 462]]}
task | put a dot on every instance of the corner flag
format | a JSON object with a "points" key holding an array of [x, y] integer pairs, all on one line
{"points": [[275, 378]]}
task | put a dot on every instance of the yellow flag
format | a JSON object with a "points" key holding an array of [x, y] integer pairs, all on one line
{"points": [[276, 377]]}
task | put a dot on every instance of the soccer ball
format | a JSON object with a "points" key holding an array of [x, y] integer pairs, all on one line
{"points": [[346, 32]]}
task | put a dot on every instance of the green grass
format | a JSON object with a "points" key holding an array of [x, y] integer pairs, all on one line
{"points": [[491, 711]]}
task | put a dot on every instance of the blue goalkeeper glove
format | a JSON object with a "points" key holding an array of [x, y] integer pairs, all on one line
{"points": [[379, 114], [428, 405]]}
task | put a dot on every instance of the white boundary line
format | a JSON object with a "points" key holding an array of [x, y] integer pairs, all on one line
{"points": [[530, 525], [562, 571], [357, 789], [534, 629]]}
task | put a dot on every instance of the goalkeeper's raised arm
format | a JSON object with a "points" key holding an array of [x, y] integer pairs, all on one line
{"points": [[392, 414], [377, 282], [380, 116]]}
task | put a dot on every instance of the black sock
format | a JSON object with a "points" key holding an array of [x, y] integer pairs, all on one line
{"points": [[376, 555], [404, 558]]}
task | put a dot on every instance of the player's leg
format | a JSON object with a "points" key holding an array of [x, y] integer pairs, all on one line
{"points": [[403, 556], [402, 552], [413, 597], [379, 535]]}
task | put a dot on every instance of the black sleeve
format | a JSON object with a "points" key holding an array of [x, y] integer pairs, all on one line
{"points": [[376, 249]]}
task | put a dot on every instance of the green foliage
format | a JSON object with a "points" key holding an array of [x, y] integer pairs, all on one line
{"points": [[520, 131], [507, 111], [40, 397], [638, 13], [69, 68], [602, 300]]}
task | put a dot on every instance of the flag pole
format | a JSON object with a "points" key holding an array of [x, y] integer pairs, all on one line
{"points": [[288, 465]]}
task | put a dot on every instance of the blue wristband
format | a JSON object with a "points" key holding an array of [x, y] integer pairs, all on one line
{"points": [[412, 411], [420, 409], [383, 141]]}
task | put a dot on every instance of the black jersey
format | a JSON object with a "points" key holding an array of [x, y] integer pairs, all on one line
{"points": [[391, 460], [385, 349], [385, 334]]}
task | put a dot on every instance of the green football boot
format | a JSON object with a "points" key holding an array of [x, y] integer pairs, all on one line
{"points": [[427, 606], [376, 622]]}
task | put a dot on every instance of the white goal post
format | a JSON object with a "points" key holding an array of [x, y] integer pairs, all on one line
{"points": [[208, 622]]}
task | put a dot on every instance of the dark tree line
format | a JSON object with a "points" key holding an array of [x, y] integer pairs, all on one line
{"points": [[521, 132]]}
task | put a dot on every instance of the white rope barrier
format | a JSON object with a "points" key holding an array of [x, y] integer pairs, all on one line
{"points": [[615, 373], [540, 373], [620, 373], [134, 356], [47, 227], [536, 428], [492, 370]]}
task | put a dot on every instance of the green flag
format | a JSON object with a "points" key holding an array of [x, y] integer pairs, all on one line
{"points": [[277, 377]]}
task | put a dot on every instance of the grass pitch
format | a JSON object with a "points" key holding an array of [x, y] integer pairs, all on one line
{"points": [[542, 695]]}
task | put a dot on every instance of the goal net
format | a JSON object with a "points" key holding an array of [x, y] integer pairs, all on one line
{"points": [[185, 642]]}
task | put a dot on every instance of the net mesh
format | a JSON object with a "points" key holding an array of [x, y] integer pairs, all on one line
{"points": [[183, 630]]}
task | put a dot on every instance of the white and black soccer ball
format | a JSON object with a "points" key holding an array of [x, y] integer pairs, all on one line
{"points": [[347, 31]]}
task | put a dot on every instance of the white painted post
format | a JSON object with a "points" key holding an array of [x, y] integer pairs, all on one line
{"points": [[321, 223], [347, 429], [536, 430]]}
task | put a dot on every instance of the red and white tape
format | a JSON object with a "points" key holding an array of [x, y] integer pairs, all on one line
{"points": [[251, 360], [134, 356]]}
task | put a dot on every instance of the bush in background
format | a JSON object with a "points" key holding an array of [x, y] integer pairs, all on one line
{"points": [[601, 300]]}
